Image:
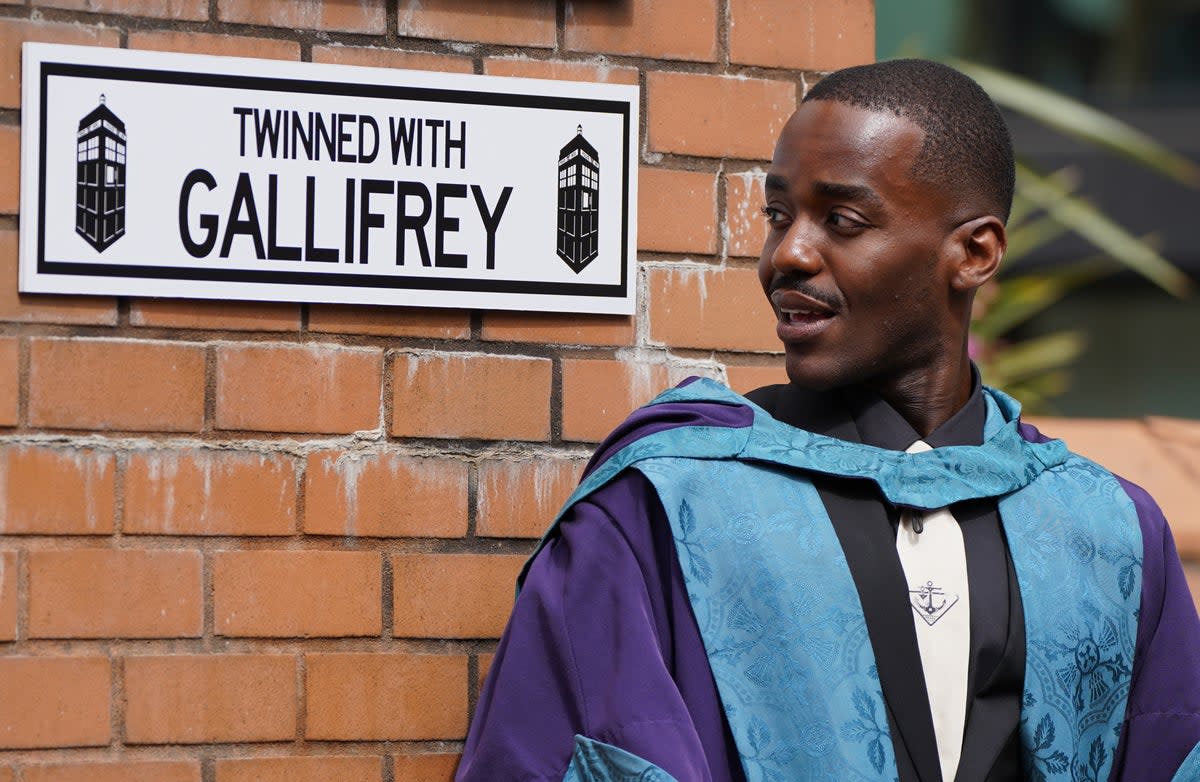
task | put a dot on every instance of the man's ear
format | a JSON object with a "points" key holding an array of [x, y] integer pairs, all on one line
{"points": [[977, 247]]}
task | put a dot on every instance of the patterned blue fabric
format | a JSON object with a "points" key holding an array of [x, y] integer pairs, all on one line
{"points": [[780, 615], [1190, 770], [934, 479], [1077, 548], [595, 761], [780, 618]]}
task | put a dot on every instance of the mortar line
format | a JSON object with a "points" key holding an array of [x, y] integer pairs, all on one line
{"points": [[387, 596]]}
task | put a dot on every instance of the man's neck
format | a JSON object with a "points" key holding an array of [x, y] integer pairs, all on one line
{"points": [[929, 399], [881, 425]]}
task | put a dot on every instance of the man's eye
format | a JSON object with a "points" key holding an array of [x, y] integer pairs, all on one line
{"points": [[845, 222], [774, 216]]}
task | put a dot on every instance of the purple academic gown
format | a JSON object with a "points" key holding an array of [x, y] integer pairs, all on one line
{"points": [[602, 642]]}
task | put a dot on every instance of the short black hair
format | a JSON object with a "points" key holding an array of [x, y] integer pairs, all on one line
{"points": [[967, 147]]}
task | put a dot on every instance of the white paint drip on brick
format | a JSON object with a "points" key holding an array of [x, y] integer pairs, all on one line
{"points": [[644, 359], [308, 11], [743, 218], [407, 11], [349, 468], [642, 363], [546, 479], [545, 482], [90, 465], [91, 469], [163, 468]]}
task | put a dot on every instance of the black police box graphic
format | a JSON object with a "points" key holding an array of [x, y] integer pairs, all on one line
{"points": [[100, 178], [578, 204]]}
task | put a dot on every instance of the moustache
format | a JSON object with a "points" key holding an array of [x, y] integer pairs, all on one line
{"points": [[831, 299]]}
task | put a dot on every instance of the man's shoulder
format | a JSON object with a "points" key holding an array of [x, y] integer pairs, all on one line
{"points": [[1148, 511], [697, 403], [701, 404]]}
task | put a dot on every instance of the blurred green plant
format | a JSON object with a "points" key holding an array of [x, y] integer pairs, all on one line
{"points": [[1045, 207]]}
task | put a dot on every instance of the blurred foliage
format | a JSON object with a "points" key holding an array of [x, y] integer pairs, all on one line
{"points": [[1045, 207]]}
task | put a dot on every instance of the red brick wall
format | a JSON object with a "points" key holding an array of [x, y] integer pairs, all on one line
{"points": [[218, 566]]}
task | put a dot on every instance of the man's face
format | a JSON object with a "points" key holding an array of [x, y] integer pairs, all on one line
{"points": [[853, 260]]}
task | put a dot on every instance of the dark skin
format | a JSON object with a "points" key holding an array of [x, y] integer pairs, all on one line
{"points": [[870, 271]]}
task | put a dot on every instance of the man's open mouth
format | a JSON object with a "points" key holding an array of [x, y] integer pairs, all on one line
{"points": [[803, 315]]}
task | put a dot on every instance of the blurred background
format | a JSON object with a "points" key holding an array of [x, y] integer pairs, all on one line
{"points": [[1108, 342]]}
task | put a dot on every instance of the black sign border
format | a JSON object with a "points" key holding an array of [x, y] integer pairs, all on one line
{"points": [[384, 91]]}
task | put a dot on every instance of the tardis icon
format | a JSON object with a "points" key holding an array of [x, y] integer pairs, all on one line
{"points": [[100, 178], [578, 205]]}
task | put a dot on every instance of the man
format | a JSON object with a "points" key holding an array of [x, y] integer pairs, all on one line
{"points": [[872, 572]]}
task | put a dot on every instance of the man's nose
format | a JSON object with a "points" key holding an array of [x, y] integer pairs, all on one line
{"points": [[798, 252]]}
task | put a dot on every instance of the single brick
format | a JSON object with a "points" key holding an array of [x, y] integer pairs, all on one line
{"points": [[517, 22], [716, 116], [197, 699], [14, 32], [204, 492], [331, 15], [122, 593], [313, 768], [195, 10], [384, 495], [452, 595], [297, 593], [10, 380], [135, 385], [747, 377], [56, 491], [822, 36], [559, 69], [131, 771], [425, 768], [745, 225], [712, 309], [54, 702], [471, 395], [389, 321], [377, 57], [6, 772], [385, 697], [677, 211], [8, 595], [598, 394], [10, 183], [518, 499], [298, 388], [211, 43], [42, 307], [557, 328], [666, 29], [223, 315]]}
